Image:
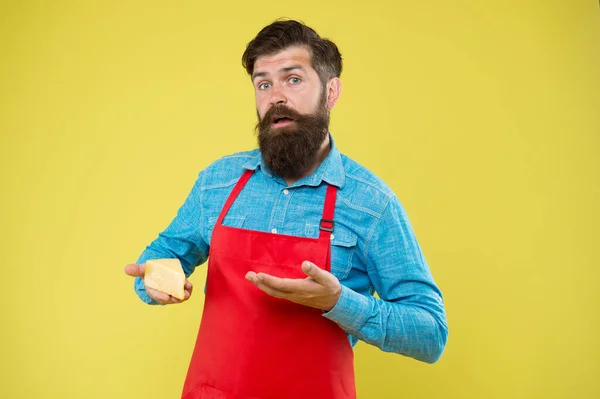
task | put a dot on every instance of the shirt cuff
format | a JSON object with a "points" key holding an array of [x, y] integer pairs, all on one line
{"points": [[140, 290], [351, 310]]}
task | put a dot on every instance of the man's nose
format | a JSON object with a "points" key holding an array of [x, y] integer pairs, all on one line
{"points": [[277, 95]]}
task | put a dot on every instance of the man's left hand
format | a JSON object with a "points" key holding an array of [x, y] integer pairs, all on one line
{"points": [[320, 290]]}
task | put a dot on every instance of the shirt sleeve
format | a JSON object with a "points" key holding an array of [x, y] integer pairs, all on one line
{"points": [[182, 239], [409, 316]]}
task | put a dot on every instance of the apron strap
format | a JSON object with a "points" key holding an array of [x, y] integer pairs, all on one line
{"points": [[326, 225], [236, 190]]}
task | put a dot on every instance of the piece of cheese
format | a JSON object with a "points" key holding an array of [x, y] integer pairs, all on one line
{"points": [[165, 275]]}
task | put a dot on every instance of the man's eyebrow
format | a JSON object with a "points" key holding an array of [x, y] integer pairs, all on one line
{"points": [[291, 68], [284, 70]]}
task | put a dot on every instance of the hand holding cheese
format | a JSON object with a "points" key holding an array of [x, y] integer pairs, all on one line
{"points": [[164, 280], [165, 275]]}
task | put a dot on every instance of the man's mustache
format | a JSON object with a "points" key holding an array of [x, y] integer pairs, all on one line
{"points": [[281, 111]]}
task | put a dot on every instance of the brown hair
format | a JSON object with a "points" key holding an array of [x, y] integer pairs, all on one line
{"points": [[325, 56]]}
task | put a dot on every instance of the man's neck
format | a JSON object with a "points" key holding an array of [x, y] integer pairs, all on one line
{"points": [[321, 155]]}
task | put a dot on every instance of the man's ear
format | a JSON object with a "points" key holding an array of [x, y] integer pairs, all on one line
{"points": [[334, 89]]}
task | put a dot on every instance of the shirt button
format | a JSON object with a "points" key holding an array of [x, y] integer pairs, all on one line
{"points": [[286, 191], [274, 231], [331, 237]]}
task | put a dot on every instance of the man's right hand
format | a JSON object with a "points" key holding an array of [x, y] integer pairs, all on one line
{"points": [[134, 270]]}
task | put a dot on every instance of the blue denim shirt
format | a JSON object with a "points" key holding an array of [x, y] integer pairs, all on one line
{"points": [[373, 249]]}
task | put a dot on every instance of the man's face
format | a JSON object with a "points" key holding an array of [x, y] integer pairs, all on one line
{"points": [[286, 78], [292, 109]]}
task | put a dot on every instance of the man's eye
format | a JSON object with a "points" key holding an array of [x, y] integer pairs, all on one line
{"points": [[264, 86], [295, 81]]}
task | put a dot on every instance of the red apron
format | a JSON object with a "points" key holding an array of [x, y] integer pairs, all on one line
{"points": [[254, 346]]}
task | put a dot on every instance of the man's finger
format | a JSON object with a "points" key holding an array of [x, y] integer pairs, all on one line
{"points": [[316, 273], [272, 291], [258, 281], [134, 270], [159, 296], [281, 284], [188, 286]]}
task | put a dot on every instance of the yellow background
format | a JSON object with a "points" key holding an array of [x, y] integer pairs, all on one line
{"points": [[483, 116]]}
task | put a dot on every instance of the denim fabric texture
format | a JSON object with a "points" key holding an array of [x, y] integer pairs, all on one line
{"points": [[373, 246]]}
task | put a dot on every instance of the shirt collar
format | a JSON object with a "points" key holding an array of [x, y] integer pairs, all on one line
{"points": [[331, 170]]}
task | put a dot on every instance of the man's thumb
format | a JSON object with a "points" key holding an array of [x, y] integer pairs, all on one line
{"points": [[134, 270], [311, 270]]}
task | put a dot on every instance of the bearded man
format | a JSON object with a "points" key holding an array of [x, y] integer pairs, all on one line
{"points": [[299, 237]]}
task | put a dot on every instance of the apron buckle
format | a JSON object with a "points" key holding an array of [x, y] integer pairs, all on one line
{"points": [[324, 227]]}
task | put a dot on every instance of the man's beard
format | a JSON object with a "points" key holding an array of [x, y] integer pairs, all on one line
{"points": [[290, 151]]}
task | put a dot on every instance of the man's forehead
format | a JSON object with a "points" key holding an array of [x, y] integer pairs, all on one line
{"points": [[291, 56]]}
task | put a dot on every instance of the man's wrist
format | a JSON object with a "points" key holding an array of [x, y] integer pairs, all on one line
{"points": [[351, 310], [335, 300]]}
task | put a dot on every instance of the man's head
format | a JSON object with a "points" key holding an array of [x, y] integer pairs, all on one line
{"points": [[295, 74]]}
